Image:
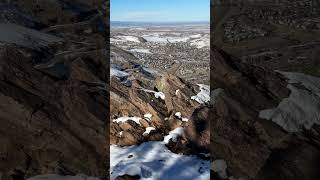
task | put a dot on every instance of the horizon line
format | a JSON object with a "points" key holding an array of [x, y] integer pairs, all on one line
{"points": [[206, 21]]}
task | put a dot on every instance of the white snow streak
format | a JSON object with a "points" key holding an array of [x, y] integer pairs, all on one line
{"points": [[204, 95], [146, 51], [148, 130], [173, 135], [124, 119]]}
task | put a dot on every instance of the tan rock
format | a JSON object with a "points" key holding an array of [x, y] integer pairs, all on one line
{"points": [[144, 123]]}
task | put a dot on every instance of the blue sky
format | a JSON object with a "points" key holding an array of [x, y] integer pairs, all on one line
{"points": [[160, 10]]}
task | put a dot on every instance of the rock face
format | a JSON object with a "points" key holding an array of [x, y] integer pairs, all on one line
{"points": [[53, 97], [265, 117], [251, 145], [198, 130]]}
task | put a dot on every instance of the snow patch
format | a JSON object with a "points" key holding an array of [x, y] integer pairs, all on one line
{"points": [[164, 40], [155, 39], [124, 119], [302, 108], [159, 95], [148, 130], [146, 51], [200, 43], [156, 94], [178, 39], [178, 115], [184, 119], [310, 82], [117, 73], [173, 135], [204, 95], [177, 92], [195, 36], [147, 117], [153, 160], [113, 40], [129, 38]]}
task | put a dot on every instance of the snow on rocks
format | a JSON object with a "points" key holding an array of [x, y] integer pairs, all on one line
{"points": [[153, 160], [195, 36], [117, 73], [177, 92], [156, 94], [129, 38], [148, 130], [204, 95], [178, 39], [114, 40], [164, 40], [179, 116], [310, 82], [155, 39], [184, 119], [124, 119], [146, 51], [147, 117], [173, 135], [199, 43], [159, 95], [59, 177], [302, 108]]}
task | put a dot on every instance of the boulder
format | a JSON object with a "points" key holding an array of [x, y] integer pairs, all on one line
{"points": [[198, 130]]}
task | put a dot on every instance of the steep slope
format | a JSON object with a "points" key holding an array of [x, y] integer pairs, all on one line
{"points": [[251, 142], [265, 91], [150, 113], [53, 91]]}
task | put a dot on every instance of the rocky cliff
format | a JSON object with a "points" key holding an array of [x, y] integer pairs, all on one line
{"points": [[264, 124], [53, 89]]}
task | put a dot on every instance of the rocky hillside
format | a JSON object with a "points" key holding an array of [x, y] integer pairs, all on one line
{"points": [[154, 116], [265, 90], [265, 124], [53, 76]]}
